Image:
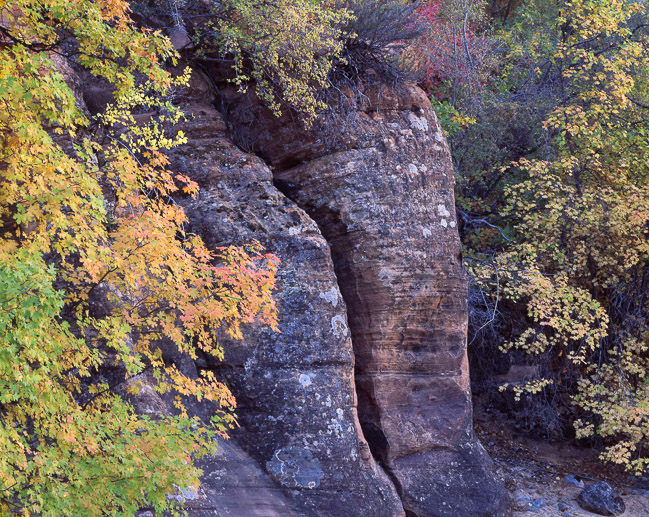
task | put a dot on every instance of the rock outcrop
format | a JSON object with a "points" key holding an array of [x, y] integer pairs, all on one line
{"points": [[361, 405], [381, 192], [295, 389], [233, 484]]}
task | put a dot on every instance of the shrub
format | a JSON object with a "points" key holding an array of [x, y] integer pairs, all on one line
{"points": [[377, 37], [286, 48]]}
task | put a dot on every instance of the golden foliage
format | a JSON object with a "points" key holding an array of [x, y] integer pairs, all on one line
{"points": [[69, 445]]}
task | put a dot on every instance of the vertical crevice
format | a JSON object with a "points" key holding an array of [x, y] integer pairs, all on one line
{"points": [[366, 411]]}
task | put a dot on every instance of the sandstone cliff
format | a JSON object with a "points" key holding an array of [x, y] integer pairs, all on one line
{"points": [[361, 405], [295, 389], [372, 301]]}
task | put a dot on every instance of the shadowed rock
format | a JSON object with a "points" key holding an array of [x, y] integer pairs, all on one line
{"points": [[600, 498]]}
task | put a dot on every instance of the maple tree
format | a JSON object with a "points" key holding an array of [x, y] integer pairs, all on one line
{"points": [[88, 218], [582, 219], [553, 199]]}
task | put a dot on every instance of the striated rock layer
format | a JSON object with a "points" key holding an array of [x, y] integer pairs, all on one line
{"points": [[380, 187], [294, 389], [379, 184]]}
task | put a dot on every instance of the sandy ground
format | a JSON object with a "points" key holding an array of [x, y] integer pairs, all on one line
{"points": [[535, 470]]}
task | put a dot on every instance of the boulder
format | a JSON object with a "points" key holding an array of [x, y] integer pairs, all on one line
{"points": [[600, 498]]}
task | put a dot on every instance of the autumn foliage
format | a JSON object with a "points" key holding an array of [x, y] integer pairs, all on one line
{"points": [[553, 199], [97, 271]]}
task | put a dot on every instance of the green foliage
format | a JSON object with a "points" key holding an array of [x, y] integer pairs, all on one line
{"points": [[452, 121], [58, 456], [287, 47]]}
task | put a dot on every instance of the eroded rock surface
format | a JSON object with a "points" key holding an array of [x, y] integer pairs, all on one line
{"points": [[233, 484], [380, 189], [382, 194], [294, 389]]}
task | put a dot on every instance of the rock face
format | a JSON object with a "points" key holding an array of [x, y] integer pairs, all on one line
{"points": [[294, 389], [380, 188], [233, 484], [383, 198]]}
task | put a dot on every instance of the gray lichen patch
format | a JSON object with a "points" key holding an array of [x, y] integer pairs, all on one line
{"points": [[416, 122], [339, 326], [295, 467], [330, 296], [305, 380], [188, 494]]}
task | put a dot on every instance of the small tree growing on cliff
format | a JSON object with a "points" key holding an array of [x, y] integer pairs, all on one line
{"points": [[286, 48]]}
